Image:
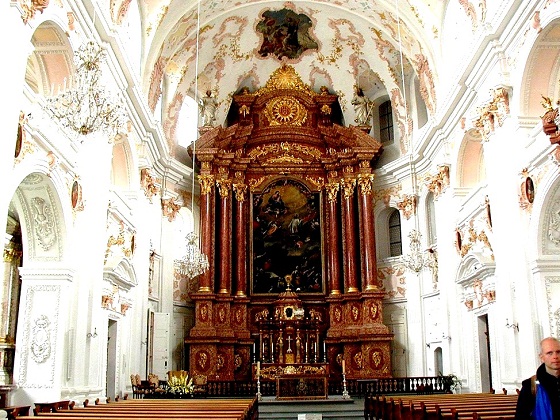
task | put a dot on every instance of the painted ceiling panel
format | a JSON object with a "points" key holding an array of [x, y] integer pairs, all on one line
{"points": [[375, 44]]}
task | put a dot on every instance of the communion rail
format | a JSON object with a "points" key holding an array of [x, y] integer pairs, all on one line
{"points": [[355, 387]]}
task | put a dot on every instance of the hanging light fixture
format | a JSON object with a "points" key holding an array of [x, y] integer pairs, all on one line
{"points": [[194, 263], [85, 106], [417, 259]]}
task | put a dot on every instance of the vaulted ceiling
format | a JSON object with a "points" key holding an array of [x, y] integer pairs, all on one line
{"points": [[234, 44]]}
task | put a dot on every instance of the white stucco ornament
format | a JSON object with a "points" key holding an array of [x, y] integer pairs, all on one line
{"points": [[41, 343]]}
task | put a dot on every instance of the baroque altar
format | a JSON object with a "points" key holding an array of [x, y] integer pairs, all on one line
{"points": [[286, 220]]}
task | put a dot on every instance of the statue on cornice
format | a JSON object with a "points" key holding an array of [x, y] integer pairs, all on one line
{"points": [[362, 107], [209, 105]]}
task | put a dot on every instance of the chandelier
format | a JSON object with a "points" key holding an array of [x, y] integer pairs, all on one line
{"points": [[194, 262], [417, 259], [85, 106]]}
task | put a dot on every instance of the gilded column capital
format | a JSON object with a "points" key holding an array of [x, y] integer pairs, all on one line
{"points": [[347, 185], [240, 191], [365, 183], [224, 187], [206, 183], [11, 254], [331, 189]]}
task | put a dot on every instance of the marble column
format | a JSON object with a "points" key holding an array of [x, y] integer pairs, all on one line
{"points": [[241, 240], [8, 316], [333, 238], [349, 241], [367, 227], [206, 230], [224, 188]]}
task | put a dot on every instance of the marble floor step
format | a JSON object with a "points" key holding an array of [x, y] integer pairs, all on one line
{"points": [[333, 408]]}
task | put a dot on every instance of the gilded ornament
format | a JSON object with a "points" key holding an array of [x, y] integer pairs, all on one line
{"points": [[286, 159], [240, 190], [332, 189], [365, 183], [285, 77], [224, 186], [255, 182], [318, 182], [407, 205], [326, 110], [206, 183], [285, 110], [31, 7], [347, 185]]}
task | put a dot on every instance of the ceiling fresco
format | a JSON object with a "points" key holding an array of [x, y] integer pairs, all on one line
{"points": [[238, 44]]}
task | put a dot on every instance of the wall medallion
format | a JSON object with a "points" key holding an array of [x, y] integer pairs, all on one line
{"points": [[76, 195]]}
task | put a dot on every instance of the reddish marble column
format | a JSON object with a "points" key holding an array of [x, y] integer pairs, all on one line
{"points": [[241, 240], [224, 187], [206, 230], [367, 227], [333, 238], [349, 240]]}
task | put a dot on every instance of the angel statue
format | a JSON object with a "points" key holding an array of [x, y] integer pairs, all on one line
{"points": [[363, 106], [209, 105]]}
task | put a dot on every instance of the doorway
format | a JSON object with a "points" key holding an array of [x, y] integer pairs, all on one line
{"points": [[484, 354], [112, 359]]}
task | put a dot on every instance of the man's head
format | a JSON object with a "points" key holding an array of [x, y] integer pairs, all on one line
{"points": [[550, 355]]}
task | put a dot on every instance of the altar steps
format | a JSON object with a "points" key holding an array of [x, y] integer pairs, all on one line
{"points": [[333, 408]]}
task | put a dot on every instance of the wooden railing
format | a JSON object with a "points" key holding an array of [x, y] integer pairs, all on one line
{"points": [[356, 388]]}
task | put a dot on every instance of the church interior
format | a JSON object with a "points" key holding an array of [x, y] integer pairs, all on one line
{"points": [[255, 189]]}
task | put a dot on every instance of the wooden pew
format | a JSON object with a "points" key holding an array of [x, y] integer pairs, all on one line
{"points": [[16, 410], [242, 409], [438, 406], [49, 407]]}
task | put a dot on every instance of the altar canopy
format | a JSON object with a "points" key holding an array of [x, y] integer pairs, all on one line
{"points": [[287, 225]]}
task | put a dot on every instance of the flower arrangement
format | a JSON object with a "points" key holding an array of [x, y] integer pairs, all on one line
{"points": [[180, 383]]}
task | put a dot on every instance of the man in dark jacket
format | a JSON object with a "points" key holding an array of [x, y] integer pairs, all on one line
{"points": [[547, 377]]}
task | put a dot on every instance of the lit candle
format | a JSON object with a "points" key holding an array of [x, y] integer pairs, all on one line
{"points": [[343, 366]]}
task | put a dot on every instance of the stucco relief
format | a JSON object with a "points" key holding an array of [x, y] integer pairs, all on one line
{"points": [[554, 224], [41, 344], [43, 223], [393, 281], [37, 361], [552, 286]]}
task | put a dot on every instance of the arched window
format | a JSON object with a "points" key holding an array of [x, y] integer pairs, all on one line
{"points": [[395, 240], [187, 125], [431, 219], [386, 122]]}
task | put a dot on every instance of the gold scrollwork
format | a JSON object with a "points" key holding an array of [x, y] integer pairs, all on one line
{"points": [[240, 190], [347, 185], [285, 110], [206, 183], [285, 77], [365, 183], [224, 186], [332, 189]]}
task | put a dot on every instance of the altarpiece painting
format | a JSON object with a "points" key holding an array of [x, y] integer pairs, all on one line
{"points": [[287, 239]]}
